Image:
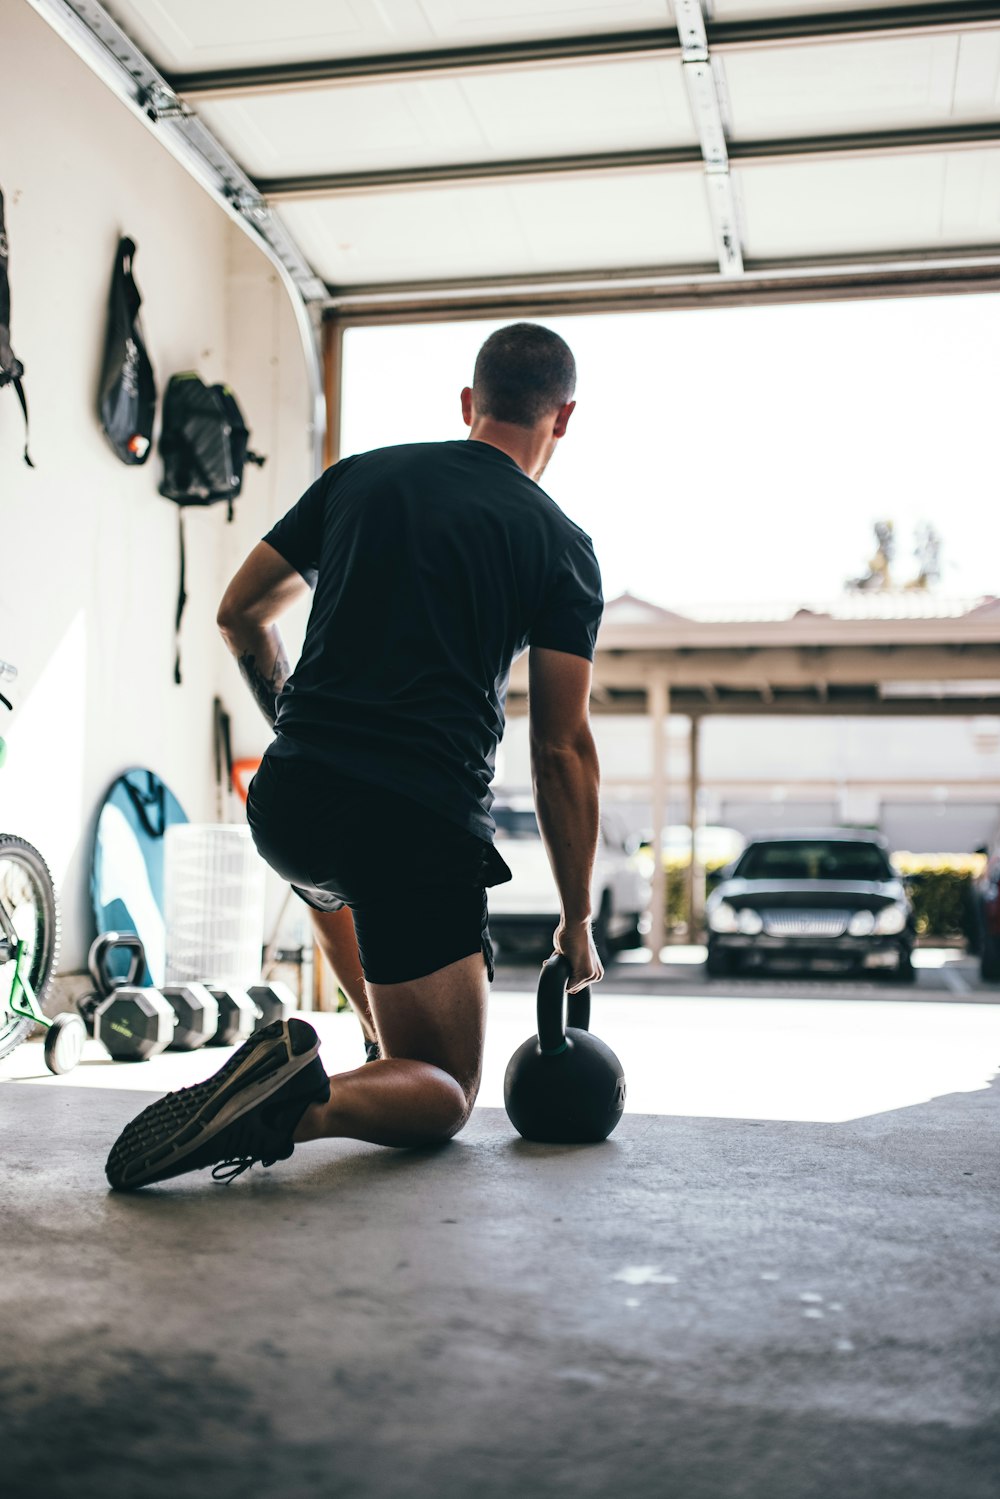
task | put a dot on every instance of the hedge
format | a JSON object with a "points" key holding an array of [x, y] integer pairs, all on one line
{"points": [[939, 887]]}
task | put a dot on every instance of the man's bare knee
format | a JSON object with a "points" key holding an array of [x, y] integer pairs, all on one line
{"points": [[450, 1111], [438, 1019]]}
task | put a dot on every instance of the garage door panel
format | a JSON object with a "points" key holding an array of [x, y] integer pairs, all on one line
{"points": [[184, 36], [598, 107], [477, 117], [347, 129], [876, 205], [584, 223], [881, 85], [752, 10], [458, 21]]}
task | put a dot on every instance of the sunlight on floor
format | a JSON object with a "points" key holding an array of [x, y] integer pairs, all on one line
{"points": [[825, 1061]]}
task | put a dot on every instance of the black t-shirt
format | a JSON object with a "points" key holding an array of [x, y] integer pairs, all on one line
{"points": [[433, 565]]}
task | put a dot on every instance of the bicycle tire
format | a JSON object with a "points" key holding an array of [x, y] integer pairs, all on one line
{"points": [[24, 857]]}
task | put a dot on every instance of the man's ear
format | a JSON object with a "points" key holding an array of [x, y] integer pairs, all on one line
{"points": [[562, 419], [467, 406]]}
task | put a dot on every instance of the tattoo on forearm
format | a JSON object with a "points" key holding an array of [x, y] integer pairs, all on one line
{"points": [[265, 686]]}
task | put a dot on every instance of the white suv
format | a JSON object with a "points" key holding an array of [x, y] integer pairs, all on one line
{"points": [[525, 913]]}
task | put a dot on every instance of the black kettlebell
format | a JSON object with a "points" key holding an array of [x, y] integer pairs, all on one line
{"points": [[563, 1086], [102, 970]]}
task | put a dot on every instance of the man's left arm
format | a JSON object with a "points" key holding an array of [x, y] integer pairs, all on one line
{"points": [[265, 586]]}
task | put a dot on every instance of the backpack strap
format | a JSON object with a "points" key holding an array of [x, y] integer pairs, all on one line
{"points": [[150, 805], [181, 601], [19, 392], [11, 368]]}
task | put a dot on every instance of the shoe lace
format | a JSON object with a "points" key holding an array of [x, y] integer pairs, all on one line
{"points": [[228, 1171]]}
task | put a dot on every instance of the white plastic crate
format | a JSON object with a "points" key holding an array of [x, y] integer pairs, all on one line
{"points": [[214, 880]]}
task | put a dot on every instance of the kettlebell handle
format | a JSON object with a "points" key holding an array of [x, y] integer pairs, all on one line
{"points": [[102, 948], [556, 1009]]}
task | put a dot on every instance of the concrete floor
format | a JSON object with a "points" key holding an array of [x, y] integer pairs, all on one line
{"points": [[776, 1281]]}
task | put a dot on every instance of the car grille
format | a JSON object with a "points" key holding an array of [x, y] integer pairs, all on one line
{"points": [[805, 923]]}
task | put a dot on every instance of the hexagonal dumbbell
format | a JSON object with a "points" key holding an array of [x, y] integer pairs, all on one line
{"points": [[274, 1001], [134, 1024], [237, 1015], [197, 1013]]}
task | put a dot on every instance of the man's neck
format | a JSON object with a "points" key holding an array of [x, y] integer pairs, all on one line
{"points": [[523, 444]]}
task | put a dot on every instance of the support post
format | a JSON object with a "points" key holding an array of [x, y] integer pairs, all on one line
{"points": [[658, 698], [695, 872], [324, 988], [333, 372]]}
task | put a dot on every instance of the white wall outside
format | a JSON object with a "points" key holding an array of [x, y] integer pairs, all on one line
{"points": [[931, 783]]}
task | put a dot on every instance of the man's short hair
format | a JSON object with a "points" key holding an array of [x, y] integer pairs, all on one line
{"points": [[523, 372]]}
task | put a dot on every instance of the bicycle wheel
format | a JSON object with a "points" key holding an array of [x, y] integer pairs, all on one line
{"points": [[29, 898]]}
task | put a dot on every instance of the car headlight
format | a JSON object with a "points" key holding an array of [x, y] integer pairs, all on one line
{"points": [[749, 922], [891, 919], [861, 924], [723, 918]]}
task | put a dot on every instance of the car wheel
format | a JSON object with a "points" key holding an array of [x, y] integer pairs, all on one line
{"points": [[906, 973], [719, 964], [989, 959]]}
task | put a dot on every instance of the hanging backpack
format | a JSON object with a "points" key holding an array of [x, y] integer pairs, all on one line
{"points": [[204, 443], [126, 402], [11, 368]]}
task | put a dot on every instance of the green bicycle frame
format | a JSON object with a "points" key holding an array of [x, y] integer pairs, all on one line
{"points": [[22, 999]]}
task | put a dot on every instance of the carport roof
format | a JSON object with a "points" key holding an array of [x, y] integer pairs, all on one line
{"points": [[934, 663], [452, 158]]}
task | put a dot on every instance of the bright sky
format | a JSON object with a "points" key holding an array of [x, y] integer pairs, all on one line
{"points": [[741, 455]]}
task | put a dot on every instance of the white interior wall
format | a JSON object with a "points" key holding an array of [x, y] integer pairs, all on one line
{"points": [[87, 601], [265, 348]]}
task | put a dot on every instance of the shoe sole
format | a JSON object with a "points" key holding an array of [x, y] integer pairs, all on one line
{"points": [[168, 1131]]}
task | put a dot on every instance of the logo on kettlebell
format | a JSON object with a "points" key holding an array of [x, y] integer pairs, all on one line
{"points": [[620, 1092]]}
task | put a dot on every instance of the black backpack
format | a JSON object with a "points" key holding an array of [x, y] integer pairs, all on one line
{"points": [[204, 443], [126, 402], [11, 368]]}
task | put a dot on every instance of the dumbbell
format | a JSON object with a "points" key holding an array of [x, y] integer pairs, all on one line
{"points": [[131, 1022], [197, 1015], [273, 1001], [134, 1024], [238, 1015]]}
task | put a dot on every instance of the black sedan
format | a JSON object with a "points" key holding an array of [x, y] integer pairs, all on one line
{"points": [[826, 901]]}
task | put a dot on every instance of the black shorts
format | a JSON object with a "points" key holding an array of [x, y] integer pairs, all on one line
{"points": [[416, 883]]}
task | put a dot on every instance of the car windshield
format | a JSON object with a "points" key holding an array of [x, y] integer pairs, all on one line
{"points": [[512, 823], [804, 859]]}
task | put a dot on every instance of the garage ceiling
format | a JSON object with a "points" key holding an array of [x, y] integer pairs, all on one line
{"points": [[449, 154]]}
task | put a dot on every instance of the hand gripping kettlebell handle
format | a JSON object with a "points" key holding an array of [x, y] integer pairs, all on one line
{"points": [[556, 1009]]}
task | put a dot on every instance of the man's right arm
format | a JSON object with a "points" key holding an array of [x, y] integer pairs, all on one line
{"points": [[566, 779]]}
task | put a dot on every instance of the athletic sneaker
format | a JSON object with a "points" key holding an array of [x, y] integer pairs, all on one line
{"points": [[246, 1112]]}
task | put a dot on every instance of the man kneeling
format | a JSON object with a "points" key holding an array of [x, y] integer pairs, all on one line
{"points": [[433, 566]]}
